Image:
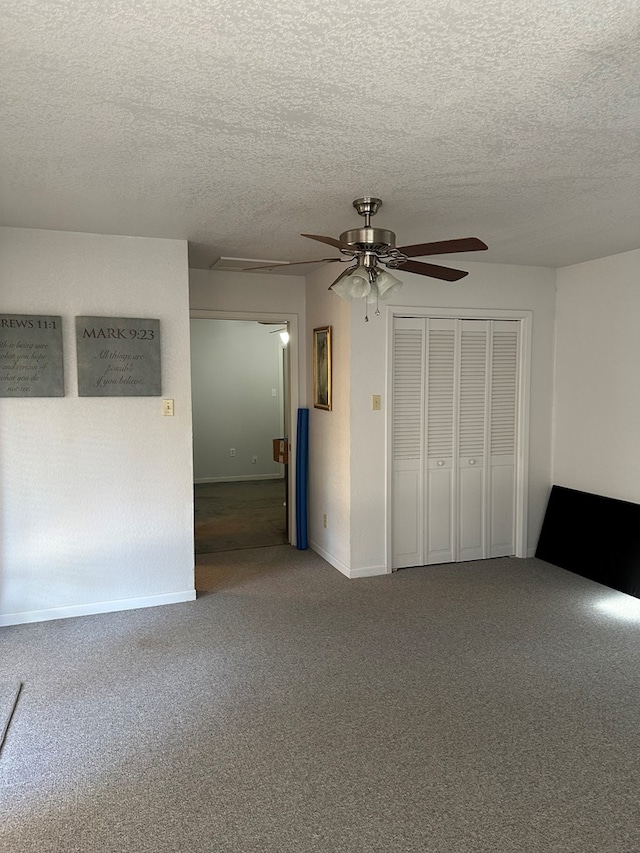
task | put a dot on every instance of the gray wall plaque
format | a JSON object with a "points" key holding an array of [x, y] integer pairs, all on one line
{"points": [[31, 356], [118, 357]]}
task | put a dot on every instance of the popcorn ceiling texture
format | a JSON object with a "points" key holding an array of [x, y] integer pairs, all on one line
{"points": [[239, 125]]}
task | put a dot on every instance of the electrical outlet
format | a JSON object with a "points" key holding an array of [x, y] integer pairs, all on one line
{"points": [[375, 402], [254, 459], [324, 520], [232, 452], [167, 408]]}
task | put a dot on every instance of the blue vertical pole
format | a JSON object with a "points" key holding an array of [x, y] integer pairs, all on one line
{"points": [[302, 471]]}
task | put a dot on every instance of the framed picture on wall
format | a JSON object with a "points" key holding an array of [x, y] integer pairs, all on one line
{"points": [[322, 368]]}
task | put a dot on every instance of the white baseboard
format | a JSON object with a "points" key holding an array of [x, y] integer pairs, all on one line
{"points": [[329, 558], [201, 480], [96, 607], [366, 572]]}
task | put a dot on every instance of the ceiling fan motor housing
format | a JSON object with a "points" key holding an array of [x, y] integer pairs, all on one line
{"points": [[376, 240]]}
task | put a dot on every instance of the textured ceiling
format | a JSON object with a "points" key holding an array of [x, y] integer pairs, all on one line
{"points": [[237, 125]]}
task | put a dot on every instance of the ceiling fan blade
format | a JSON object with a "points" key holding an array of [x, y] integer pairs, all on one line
{"points": [[291, 264], [331, 241], [444, 273], [443, 247]]}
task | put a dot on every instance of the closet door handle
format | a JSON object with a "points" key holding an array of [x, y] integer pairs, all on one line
{"points": [[472, 462], [440, 463]]}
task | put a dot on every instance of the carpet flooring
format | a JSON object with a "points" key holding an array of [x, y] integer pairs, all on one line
{"points": [[238, 515], [486, 707], [9, 693]]}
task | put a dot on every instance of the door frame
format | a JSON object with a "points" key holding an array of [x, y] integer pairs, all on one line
{"points": [[525, 318], [292, 321]]}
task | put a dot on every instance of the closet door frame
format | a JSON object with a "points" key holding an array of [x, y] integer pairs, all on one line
{"points": [[525, 319]]}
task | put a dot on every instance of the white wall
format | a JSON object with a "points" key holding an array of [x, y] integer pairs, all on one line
{"points": [[329, 444], [597, 412], [236, 366], [362, 541], [96, 507]]}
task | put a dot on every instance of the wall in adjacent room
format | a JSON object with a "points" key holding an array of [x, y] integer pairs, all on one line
{"points": [[236, 382], [96, 504], [597, 410]]}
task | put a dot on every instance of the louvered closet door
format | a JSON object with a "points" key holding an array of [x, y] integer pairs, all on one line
{"points": [[407, 494], [471, 439], [454, 439], [502, 437], [440, 434]]}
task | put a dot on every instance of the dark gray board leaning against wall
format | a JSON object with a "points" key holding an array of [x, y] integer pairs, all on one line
{"points": [[118, 357], [31, 362]]}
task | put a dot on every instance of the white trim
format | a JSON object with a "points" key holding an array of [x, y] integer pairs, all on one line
{"points": [[366, 572], [329, 558], [294, 345], [96, 607], [201, 480], [522, 441], [458, 313], [525, 317], [388, 432], [283, 353]]}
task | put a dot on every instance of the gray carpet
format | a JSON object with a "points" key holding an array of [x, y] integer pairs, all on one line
{"points": [[9, 692], [476, 708], [241, 514]]}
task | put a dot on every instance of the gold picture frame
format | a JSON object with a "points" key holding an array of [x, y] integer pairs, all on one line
{"points": [[322, 368]]}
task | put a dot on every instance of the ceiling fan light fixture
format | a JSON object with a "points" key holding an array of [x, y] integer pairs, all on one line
{"points": [[387, 285], [342, 289], [373, 297], [354, 286], [360, 282]]}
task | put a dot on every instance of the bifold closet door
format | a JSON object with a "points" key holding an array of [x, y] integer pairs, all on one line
{"points": [[453, 445]]}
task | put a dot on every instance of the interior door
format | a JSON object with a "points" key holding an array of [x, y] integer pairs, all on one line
{"points": [[454, 435]]}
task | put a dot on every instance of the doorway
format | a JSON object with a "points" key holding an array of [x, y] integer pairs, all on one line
{"points": [[242, 397]]}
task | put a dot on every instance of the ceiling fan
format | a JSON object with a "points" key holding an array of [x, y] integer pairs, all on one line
{"points": [[368, 249]]}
